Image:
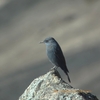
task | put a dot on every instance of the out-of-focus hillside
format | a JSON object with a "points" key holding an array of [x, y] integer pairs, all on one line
{"points": [[24, 23]]}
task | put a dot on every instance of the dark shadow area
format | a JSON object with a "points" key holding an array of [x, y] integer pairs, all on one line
{"points": [[88, 96], [84, 58]]}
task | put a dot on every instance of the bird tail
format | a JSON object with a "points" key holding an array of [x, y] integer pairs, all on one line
{"points": [[67, 76]]}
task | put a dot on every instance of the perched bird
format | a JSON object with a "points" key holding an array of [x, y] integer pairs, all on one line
{"points": [[55, 54]]}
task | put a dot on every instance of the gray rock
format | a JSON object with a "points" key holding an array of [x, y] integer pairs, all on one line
{"points": [[51, 87]]}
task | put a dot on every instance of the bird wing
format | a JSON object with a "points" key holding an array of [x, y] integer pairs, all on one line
{"points": [[60, 59]]}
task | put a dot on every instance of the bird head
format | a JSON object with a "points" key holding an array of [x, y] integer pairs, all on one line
{"points": [[48, 40]]}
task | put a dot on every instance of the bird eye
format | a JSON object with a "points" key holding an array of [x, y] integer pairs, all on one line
{"points": [[46, 40]]}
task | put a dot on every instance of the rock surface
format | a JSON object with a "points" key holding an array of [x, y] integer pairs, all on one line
{"points": [[51, 87]]}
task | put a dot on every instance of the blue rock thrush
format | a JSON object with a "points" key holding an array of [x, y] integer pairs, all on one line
{"points": [[55, 55]]}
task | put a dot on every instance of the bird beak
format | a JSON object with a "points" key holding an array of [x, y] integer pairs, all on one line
{"points": [[41, 42]]}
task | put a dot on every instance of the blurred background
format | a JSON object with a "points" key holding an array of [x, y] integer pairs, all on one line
{"points": [[75, 24]]}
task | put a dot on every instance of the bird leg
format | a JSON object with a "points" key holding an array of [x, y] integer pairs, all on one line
{"points": [[54, 68]]}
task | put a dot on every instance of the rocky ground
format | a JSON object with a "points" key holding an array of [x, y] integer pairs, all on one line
{"points": [[24, 23]]}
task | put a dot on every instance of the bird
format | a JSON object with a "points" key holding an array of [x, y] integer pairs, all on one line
{"points": [[55, 55]]}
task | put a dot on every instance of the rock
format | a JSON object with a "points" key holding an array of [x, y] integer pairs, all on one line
{"points": [[51, 87]]}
